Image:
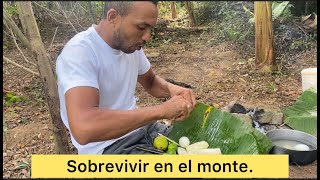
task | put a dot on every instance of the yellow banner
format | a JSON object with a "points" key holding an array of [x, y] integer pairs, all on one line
{"points": [[160, 166]]}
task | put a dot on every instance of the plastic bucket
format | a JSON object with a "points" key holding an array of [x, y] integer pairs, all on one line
{"points": [[309, 78]]}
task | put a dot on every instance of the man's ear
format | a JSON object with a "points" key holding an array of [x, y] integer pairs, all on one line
{"points": [[112, 16]]}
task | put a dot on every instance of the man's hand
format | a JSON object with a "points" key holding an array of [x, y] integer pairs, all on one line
{"points": [[187, 94], [176, 108]]}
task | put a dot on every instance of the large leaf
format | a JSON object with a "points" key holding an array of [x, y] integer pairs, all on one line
{"points": [[302, 115], [278, 8], [221, 130]]}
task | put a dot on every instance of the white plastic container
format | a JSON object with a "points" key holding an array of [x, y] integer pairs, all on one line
{"points": [[309, 78]]}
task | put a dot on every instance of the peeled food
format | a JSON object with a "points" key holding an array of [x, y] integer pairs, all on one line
{"points": [[184, 141], [192, 148], [181, 151], [301, 147], [209, 151]]}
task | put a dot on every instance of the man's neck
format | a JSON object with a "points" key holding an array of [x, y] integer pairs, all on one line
{"points": [[105, 33]]}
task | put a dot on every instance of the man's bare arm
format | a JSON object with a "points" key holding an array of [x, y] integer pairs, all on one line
{"points": [[89, 123], [154, 85], [158, 87]]}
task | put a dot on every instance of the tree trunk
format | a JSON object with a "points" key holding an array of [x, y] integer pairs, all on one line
{"points": [[173, 10], [16, 30], [264, 39], [47, 77], [192, 21], [22, 21]]}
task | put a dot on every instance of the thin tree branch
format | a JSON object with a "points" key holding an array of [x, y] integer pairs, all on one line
{"points": [[7, 33], [66, 16], [75, 4], [79, 14], [75, 16], [57, 19], [92, 14], [16, 30], [47, 8], [83, 9], [17, 46], [54, 35], [50, 13], [78, 22], [18, 65]]}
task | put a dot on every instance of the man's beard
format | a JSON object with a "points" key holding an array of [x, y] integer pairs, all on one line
{"points": [[119, 43]]}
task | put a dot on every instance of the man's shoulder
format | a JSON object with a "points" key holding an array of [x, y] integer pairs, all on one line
{"points": [[78, 48], [81, 39]]}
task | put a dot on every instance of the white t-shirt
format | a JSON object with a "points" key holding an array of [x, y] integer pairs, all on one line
{"points": [[87, 60]]}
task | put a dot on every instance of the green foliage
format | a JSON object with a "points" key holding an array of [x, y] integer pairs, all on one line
{"points": [[299, 45], [302, 44], [279, 72], [230, 17], [24, 164], [232, 33], [23, 120], [10, 8], [40, 99], [98, 6], [11, 98], [206, 12], [272, 87], [221, 129], [154, 42], [302, 115], [281, 9], [165, 9]]}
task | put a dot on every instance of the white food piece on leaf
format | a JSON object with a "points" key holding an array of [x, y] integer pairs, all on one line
{"points": [[184, 141], [197, 146], [192, 151], [209, 151], [286, 146], [301, 147], [181, 150]]}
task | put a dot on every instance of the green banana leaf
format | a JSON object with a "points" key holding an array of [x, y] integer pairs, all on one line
{"points": [[221, 130], [302, 115]]}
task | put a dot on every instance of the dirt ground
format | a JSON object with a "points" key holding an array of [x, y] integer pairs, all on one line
{"points": [[218, 72]]}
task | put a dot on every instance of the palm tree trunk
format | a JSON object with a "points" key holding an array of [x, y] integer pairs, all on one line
{"points": [[264, 39]]}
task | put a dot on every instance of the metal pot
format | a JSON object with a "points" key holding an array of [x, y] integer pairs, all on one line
{"points": [[295, 156]]}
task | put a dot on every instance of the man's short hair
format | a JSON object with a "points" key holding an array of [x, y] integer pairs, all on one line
{"points": [[122, 7]]}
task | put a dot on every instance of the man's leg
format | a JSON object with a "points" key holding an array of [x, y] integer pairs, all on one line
{"points": [[142, 137]]}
